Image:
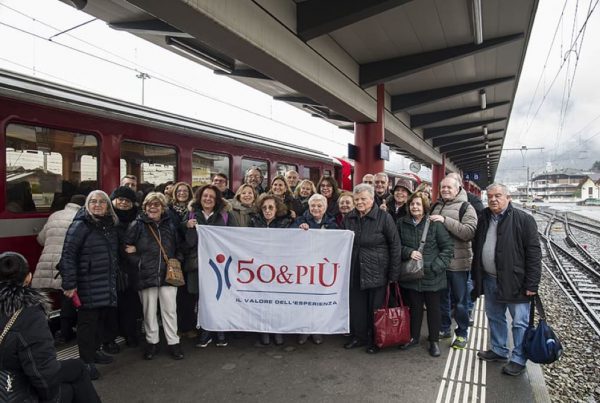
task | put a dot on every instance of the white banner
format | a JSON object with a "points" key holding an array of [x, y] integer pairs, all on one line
{"points": [[274, 280]]}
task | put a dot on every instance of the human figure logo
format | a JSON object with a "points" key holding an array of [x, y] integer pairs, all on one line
{"points": [[220, 258]]}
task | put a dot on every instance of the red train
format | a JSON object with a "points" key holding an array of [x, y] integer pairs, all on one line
{"points": [[59, 140]]}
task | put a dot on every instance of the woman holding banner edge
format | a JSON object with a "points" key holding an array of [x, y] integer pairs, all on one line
{"points": [[376, 257]]}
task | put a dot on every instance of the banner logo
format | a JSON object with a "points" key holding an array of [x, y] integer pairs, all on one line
{"points": [[220, 259]]}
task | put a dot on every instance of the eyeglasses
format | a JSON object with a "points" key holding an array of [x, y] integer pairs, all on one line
{"points": [[100, 202], [183, 191], [380, 182], [154, 204], [326, 186], [267, 207], [123, 200]]}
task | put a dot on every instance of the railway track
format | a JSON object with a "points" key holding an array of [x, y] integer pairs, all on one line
{"points": [[571, 267]]}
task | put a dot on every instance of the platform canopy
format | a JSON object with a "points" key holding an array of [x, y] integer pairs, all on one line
{"points": [[450, 67]]}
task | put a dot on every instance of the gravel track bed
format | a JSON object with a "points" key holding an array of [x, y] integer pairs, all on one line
{"points": [[576, 376]]}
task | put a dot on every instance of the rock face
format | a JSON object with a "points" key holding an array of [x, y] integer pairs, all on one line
{"points": [[574, 377]]}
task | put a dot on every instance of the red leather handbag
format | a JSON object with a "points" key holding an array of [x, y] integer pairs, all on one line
{"points": [[392, 325]]}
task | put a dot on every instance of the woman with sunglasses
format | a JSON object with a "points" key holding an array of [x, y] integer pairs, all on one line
{"points": [[272, 213]]}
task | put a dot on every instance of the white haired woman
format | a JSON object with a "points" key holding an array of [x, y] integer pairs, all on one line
{"points": [[152, 231], [376, 257], [88, 266]]}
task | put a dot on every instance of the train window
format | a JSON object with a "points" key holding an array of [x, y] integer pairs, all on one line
{"points": [[282, 168], [45, 167], [151, 164], [311, 173], [327, 172], [262, 165], [205, 165]]}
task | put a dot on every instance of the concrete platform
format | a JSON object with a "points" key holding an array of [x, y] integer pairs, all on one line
{"points": [[248, 372]]}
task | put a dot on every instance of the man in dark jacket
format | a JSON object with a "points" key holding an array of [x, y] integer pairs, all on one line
{"points": [[376, 256], [507, 269]]}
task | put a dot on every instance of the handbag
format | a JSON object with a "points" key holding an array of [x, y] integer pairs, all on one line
{"points": [[392, 325], [174, 274], [540, 344], [14, 385], [413, 269]]}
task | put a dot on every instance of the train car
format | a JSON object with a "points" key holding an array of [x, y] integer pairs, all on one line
{"points": [[345, 171], [60, 141]]}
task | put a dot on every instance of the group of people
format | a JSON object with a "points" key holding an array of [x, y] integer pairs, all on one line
{"points": [[112, 255]]}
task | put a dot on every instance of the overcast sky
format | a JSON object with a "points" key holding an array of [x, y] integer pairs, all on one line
{"points": [[541, 116]]}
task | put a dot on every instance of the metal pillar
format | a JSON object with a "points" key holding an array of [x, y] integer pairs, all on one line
{"points": [[367, 138], [438, 172]]}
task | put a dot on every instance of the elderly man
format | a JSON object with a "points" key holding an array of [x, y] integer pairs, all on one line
{"points": [[381, 182], [220, 180], [460, 219], [368, 179], [130, 181], [254, 178], [292, 178], [507, 270]]}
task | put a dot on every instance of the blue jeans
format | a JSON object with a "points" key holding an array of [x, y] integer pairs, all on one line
{"points": [[457, 292], [496, 314]]}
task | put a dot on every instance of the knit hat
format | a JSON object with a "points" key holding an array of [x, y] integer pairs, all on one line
{"points": [[124, 192], [404, 183]]}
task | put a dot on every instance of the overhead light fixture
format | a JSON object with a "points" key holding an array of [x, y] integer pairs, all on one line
{"points": [[482, 99], [485, 132], [487, 145], [488, 156], [200, 54], [477, 22]]}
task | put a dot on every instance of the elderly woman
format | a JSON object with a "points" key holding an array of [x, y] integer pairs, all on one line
{"points": [[345, 205], [27, 353], [303, 191], [281, 189], [147, 237], [436, 256], [243, 205], [272, 214], [375, 262], [315, 218], [396, 203], [208, 208], [178, 204], [328, 187], [88, 267]]}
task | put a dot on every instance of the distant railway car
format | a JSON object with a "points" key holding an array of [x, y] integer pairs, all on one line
{"points": [[60, 141], [345, 171]]}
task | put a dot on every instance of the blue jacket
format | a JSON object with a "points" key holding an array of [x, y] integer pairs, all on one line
{"points": [[327, 222]]}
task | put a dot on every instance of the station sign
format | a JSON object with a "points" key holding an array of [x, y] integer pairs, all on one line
{"points": [[472, 176]]}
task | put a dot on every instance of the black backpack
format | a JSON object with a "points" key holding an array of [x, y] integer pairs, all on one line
{"points": [[461, 212]]}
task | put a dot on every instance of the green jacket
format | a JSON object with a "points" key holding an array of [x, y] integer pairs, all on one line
{"points": [[438, 251]]}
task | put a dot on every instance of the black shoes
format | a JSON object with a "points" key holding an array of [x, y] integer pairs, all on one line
{"points": [[265, 339], [434, 349], [489, 355], [412, 343], [303, 338], [111, 348], [354, 343], [150, 351], [278, 339], [93, 371], [221, 340], [176, 352], [445, 335], [204, 339], [317, 339], [372, 349], [100, 357], [513, 369]]}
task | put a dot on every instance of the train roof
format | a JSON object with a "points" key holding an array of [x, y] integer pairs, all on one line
{"points": [[31, 89]]}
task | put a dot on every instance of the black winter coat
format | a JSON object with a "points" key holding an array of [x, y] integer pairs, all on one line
{"points": [[148, 258], [518, 255], [89, 260], [127, 275], [327, 222], [396, 214], [28, 347], [258, 221], [376, 251]]}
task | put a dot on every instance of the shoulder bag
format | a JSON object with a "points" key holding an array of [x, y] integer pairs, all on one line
{"points": [[540, 344], [413, 269], [174, 275], [14, 385], [392, 325]]}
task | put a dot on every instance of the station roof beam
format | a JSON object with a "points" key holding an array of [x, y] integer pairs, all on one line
{"points": [[319, 17], [149, 27], [387, 70], [424, 119], [441, 141], [443, 130], [406, 101], [469, 145]]}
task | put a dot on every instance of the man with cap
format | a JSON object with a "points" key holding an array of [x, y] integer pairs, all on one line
{"points": [[396, 202]]}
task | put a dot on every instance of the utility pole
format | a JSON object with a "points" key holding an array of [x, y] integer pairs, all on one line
{"points": [[524, 150], [143, 76]]}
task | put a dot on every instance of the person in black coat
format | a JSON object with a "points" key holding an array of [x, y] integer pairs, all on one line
{"points": [[89, 266], [27, 352], [396, 204], [146, 239], [272, 213], [329, 188], [207, 208], [376, 256], [507, 269]]}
